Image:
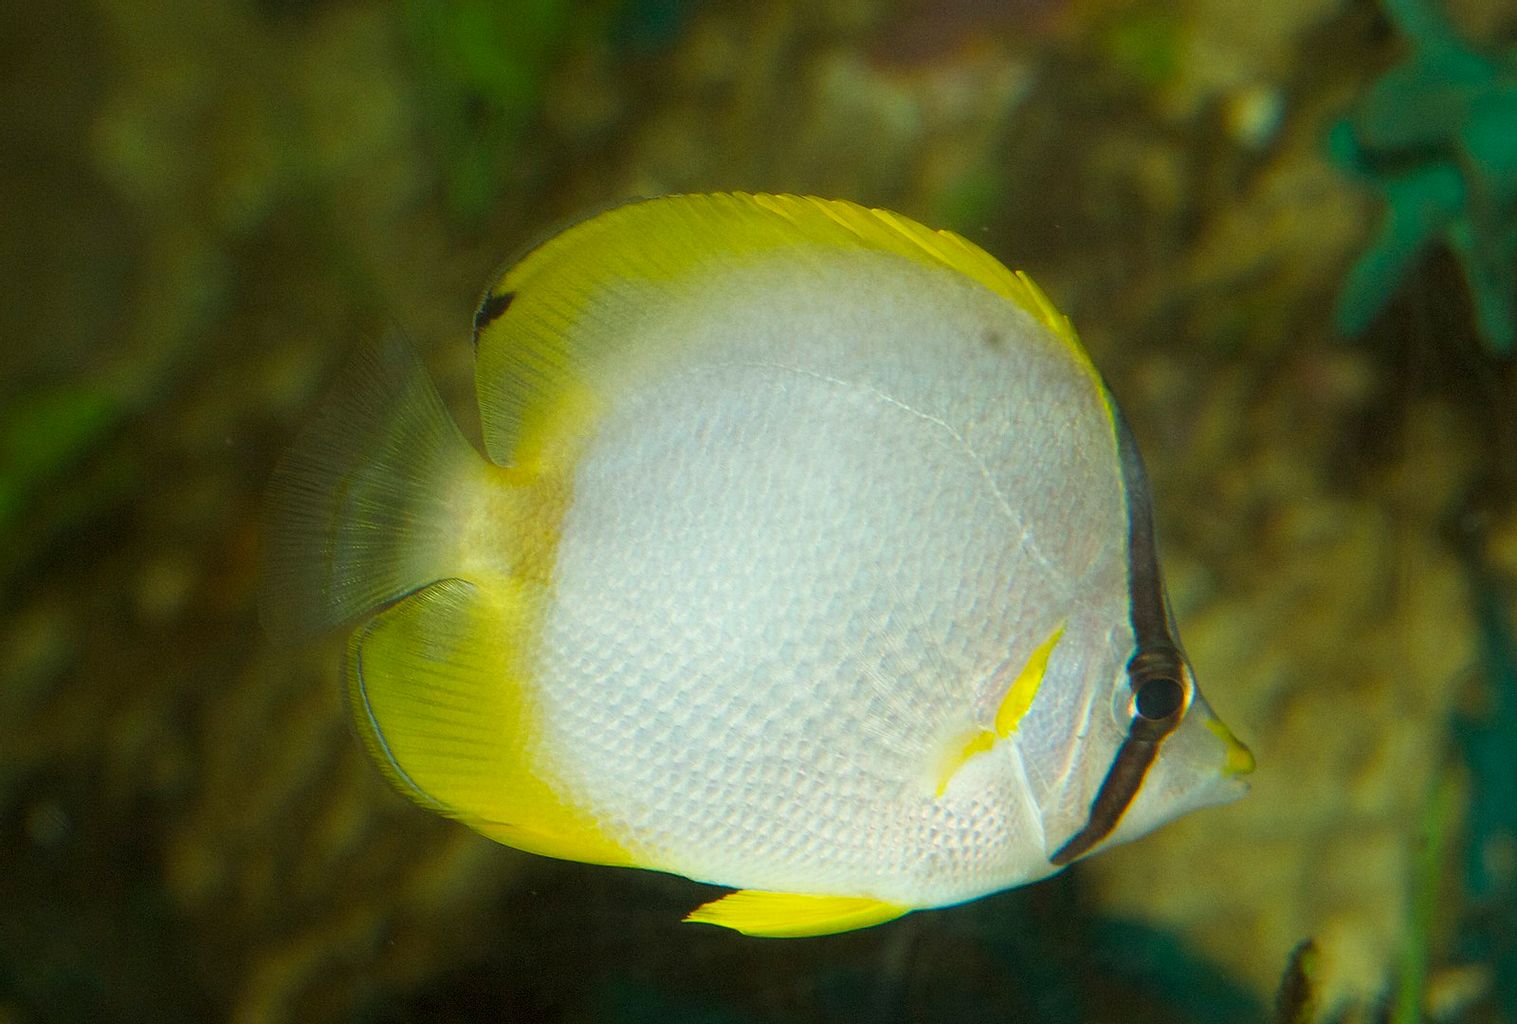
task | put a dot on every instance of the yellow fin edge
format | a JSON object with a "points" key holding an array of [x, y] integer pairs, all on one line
{"points": [[785, 915], [884, 230], [1036, 301]]}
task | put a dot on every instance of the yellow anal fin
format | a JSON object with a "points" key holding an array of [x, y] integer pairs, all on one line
{"points": [[548, 328], [788, 915], [1024, 689], [441, 699]]}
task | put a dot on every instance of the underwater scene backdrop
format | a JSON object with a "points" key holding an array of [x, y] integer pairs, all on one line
{"points": [[1287, 233]]}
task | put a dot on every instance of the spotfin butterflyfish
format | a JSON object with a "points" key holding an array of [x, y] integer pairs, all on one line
{"points": [[808, 555]]}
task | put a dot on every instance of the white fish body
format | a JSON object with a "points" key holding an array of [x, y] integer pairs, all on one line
{"points": [[837, 556]]}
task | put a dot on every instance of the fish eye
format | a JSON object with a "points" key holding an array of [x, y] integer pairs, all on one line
{"points": [[1158, 698]]}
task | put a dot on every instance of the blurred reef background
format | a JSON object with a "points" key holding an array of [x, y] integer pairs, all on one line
{"points": [[1287, 232]]}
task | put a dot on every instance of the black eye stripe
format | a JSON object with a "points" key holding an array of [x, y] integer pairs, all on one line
{"points": [[1117, 791], [1156, 664]]}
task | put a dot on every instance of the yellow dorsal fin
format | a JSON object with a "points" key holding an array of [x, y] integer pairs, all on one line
{"points": [[1024, 688], [441, 700], [567, 306], [787, 915]]}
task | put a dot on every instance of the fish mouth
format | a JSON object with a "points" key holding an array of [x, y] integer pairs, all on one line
{"points": [[1239, 760]]}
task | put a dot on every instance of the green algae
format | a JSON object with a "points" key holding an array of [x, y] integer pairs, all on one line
{"points": [[1436, 137], [42, 436], [1484, 738], [481, 67]]}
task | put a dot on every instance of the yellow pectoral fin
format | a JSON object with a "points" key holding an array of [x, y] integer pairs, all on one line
{"points": [[962, 749], [958, 756], [788, 915], [441, 699], [1024, 688]]}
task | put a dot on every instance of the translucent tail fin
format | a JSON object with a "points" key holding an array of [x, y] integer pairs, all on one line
{"points": [[357, 514]]}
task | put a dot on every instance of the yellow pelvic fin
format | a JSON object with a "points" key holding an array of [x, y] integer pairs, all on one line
{"points": [[785, 915], [441, 699], [1024, 689], [543, 330]]}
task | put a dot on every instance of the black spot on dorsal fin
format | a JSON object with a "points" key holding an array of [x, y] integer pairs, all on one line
{"points": [[491, 307]]}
